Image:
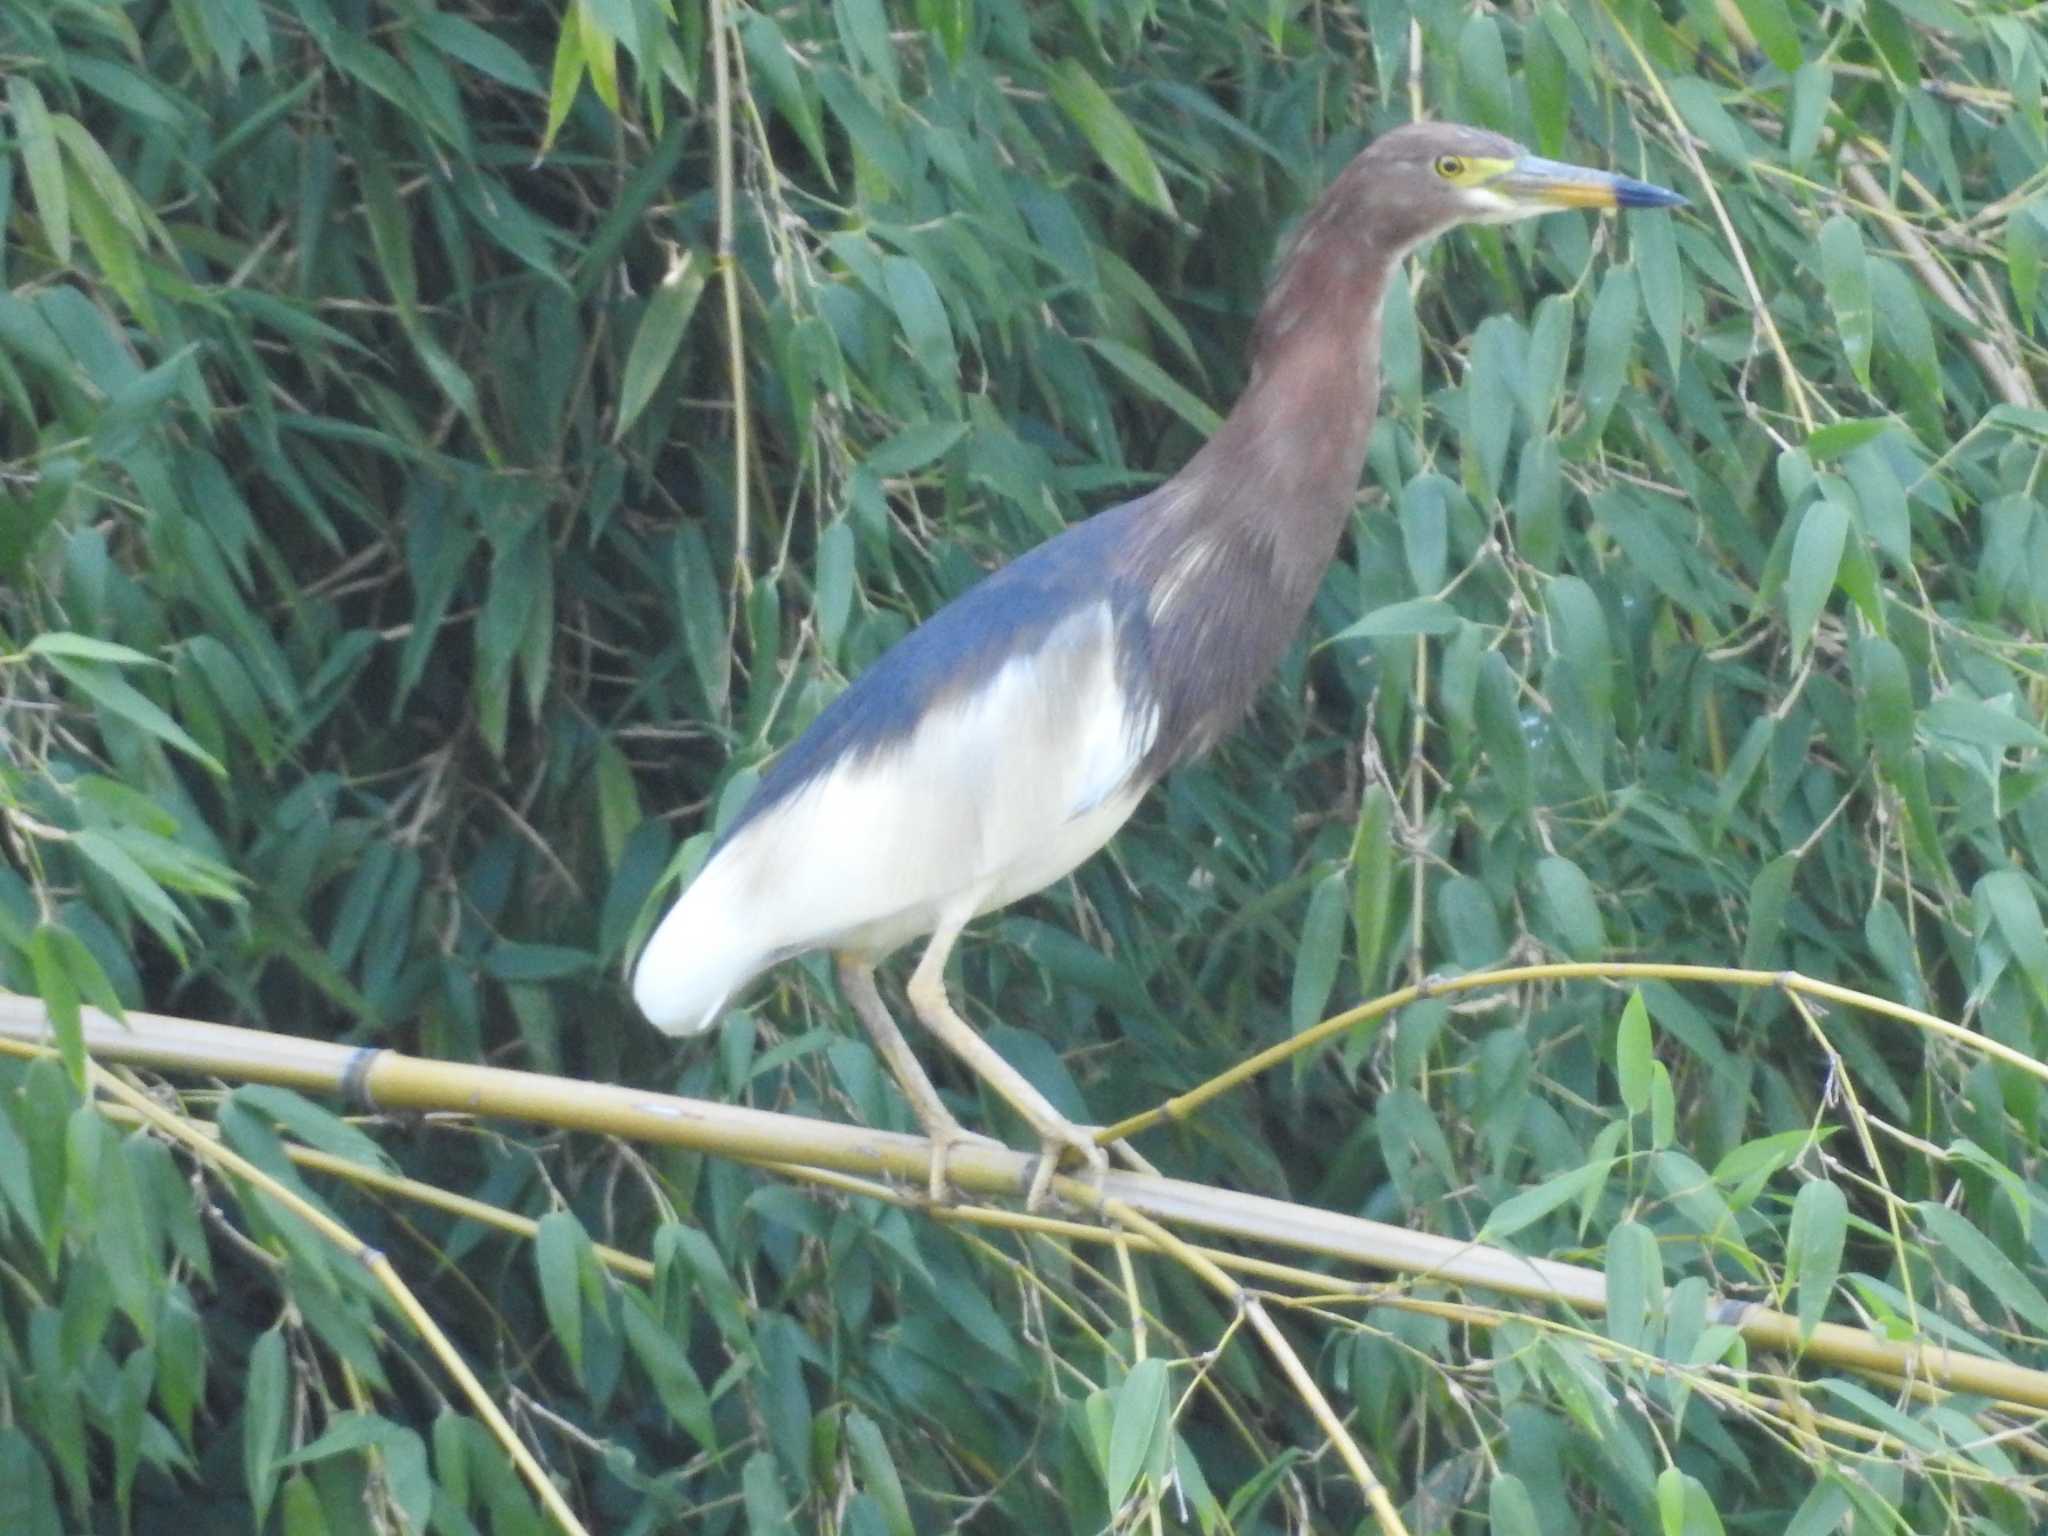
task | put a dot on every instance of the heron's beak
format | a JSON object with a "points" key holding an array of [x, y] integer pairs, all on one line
{"points": [[1539, 185]]}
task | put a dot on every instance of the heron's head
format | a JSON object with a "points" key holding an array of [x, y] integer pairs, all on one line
{"points": [[1421, 179]]}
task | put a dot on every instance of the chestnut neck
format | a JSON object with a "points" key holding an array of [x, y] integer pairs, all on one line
{"points": [[1282, 470]]}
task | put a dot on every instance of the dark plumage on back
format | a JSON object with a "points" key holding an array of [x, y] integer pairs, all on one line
{"points": [[1004, 616]]}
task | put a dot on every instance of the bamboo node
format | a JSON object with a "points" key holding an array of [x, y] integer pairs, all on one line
{"points": [[355, 1077]]}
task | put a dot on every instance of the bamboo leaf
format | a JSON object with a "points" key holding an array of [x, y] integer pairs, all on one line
{"points": [[1321, 949], [1953, 1235], [121, 701], [1845, 271], [1633, 1056], [657, 338], [1816, 560], [1112, 135], [560, 1249], [1813, 1254], [1138, 1426], [39, 155]]}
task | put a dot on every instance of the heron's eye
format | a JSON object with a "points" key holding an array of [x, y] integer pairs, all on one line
{"points": [[1450, 167]]}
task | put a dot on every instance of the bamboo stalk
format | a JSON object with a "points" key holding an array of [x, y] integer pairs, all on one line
{"points": [[390, 1080]]}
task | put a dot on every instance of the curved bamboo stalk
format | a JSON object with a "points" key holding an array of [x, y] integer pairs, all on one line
{"points": [[1180, 1106]]}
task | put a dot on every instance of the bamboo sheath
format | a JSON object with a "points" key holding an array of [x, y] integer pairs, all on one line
{"points": [[390, 1080]]}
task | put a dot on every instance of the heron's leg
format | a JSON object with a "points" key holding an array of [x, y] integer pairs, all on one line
{"points": [[857, 983], [1058, 1135]]}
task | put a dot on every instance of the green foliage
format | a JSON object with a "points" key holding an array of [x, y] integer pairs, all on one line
{"points": [[389, 596]]}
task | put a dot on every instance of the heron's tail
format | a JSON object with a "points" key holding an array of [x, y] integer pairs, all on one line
{"points": [[695, 961]]}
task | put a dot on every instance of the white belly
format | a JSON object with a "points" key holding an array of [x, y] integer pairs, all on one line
{"points": [[997, 793]]}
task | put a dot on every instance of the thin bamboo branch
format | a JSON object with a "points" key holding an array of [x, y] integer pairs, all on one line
{"points": [[1375, 1491], [387, 1079], [729, 274], [1795, 385], [219, 1155], [2004, 373], [1182, 1105]]}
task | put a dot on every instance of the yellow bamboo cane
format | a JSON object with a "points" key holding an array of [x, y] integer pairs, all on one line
{"points": [[391, 1080]]}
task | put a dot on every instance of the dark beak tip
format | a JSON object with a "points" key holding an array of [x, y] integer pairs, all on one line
{"points": [[1641, 194]]}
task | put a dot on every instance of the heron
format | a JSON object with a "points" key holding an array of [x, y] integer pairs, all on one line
{"points": [[1006, 738]]}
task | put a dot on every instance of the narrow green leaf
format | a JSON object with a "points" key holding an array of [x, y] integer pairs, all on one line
{"points": [[864, 27], [835, 584], [600, 52], [675, 1380], [1110, 134], [58, 642], [45, 170], [1416, 616], [1654, 244], [2017, 917], [315, 1125], [1635, 1285], [49, 966], [1532, 1205], [1813, 1249], [1952, 1235], [1158, 383], [1139, 1422], [1546, 362], [1982, 725], [1610, 338], [1568, 896], [1497, 350], [701, 609], [1510, 1511], [657, 337], [1425, 527], [1496, 709], [1816, 560], [559, 1248], [1483, 71], [1904, 326], [1768, 894], [914, 447], [922, 315], [1373, 861], [2025, 238], [265, 1391], [1633, 1055], [106, 852], [566, 78], [761, 1495], [877, 1471], [1813, 90], [783, 1398], [1841, 437], [470, 44], [1845, 273], [1775, 32], [1822, 1512], [776, 64], [1320, 948]]}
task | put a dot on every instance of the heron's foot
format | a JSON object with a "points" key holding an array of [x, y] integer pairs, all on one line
{"points": [[944, 1138], [1065, 1142]]}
